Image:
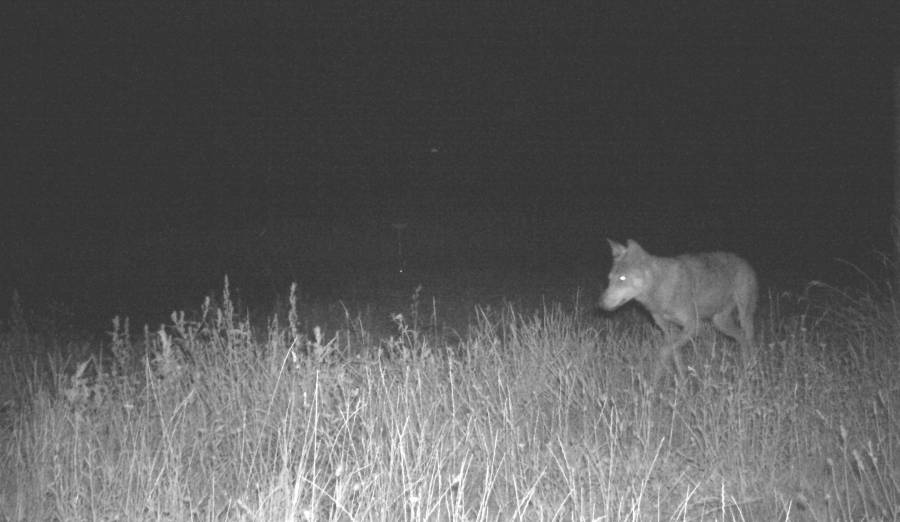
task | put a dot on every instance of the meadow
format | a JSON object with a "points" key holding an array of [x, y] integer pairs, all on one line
{"points": [[437, 403]]}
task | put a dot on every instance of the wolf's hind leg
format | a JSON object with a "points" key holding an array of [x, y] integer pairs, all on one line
{"points": [[724, 321], [746, 315], [746, 299]]}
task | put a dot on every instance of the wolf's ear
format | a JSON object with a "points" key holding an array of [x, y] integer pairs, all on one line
{"points": [[633, 246], [618, 250]]}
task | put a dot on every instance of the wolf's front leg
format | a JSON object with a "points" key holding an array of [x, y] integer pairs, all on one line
{"points": [[665, 363], [670, 353], [665, 359]]}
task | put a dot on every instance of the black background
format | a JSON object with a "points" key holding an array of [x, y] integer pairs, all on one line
{"points": [[149, 148]]}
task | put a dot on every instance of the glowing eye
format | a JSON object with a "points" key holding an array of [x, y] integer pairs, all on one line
{"points": [[622, 278]]}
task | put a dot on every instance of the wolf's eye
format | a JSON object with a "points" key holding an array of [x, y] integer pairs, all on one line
{"points": [[622, 278]]}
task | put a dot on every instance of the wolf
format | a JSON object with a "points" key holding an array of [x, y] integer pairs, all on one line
{"points": [[682, 291]]}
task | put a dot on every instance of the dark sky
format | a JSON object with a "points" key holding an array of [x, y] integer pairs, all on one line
{"points": [[134, 127]]}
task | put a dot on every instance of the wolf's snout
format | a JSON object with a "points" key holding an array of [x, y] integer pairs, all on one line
{"points": [[610, 302]]}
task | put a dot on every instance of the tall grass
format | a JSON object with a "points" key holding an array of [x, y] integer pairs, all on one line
{"points": [[528, 415]]}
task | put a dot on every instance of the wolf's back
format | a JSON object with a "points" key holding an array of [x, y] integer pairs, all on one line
{"points": [[718, 279], [711, 269]]}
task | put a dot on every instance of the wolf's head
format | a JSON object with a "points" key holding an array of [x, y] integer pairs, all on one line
{"points": [[629, 275]]}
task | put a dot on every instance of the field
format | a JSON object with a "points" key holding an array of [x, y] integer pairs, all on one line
{"points": [[443, 404], [276, 261]]}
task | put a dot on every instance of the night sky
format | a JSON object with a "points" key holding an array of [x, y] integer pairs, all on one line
{"points": [[149, 148]]}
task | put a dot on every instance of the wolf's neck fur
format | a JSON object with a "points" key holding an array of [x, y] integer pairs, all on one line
{"points": [[660, 287]]}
